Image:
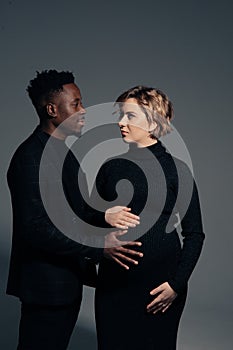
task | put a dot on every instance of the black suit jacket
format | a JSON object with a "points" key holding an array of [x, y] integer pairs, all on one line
{"points": [[46, 267]]}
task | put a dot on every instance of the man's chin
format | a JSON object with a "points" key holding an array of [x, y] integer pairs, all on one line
{"points": [[77, 133]]}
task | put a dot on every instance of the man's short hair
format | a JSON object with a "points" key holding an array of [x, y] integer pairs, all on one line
{"points": [[45, 86]]}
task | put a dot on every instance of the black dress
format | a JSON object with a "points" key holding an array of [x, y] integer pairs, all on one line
{"points": [[162, 187]]}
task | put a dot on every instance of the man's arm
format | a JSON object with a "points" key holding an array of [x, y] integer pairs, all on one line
{"points": [[36, 228]]}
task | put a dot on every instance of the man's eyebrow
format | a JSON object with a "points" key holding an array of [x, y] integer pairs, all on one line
{"points": [[76, 99]]}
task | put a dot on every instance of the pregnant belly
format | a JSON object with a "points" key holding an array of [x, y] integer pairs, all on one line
{"points": [[158, 264]]}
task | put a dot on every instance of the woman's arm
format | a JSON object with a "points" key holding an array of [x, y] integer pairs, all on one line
{"points": [[192, 228]]}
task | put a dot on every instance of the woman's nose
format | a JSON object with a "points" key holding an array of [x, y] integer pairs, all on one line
{"points": [[122, 121]]}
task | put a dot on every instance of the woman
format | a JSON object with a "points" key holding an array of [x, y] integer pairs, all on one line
{"points": [[140, 308]]}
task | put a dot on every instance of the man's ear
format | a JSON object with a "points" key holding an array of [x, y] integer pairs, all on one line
{"points": [[51, 110]]}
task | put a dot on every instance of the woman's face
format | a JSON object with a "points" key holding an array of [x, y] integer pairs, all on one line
{"points": [[133, 123]]}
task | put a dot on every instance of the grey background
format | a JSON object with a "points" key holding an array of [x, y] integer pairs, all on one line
{"points": [[183, 47]]}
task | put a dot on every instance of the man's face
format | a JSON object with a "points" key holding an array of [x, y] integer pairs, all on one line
{"points": [[69, 110]]}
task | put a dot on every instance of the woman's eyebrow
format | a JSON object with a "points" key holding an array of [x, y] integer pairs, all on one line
{"points": [[131, 112]]}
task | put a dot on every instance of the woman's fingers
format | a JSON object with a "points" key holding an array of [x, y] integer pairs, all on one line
{"points": [[163, 298], [121, 217], [129, 218], [163, 305], [166, 307]]}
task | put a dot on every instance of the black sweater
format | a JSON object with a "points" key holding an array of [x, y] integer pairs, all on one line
{"points": [[161, 187]]}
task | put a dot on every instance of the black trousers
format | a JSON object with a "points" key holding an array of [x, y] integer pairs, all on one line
{"points": [[47, 327]]}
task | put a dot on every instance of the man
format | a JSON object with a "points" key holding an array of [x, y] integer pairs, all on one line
{"points": [[48, 269]]}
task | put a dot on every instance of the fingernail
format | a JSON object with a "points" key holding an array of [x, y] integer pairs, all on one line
{"points": [[141, 255], [139, 243]]}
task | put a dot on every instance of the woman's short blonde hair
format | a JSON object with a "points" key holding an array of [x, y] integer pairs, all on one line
{"points": [[156, 106]]}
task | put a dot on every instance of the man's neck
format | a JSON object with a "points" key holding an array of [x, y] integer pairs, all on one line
{"points": [[50, 129]]}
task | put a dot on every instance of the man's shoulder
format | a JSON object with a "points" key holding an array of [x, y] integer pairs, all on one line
{"points": [[30, 149]]}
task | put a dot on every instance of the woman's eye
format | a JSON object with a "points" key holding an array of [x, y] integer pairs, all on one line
{"points": [[130, 116], [120, 116]]}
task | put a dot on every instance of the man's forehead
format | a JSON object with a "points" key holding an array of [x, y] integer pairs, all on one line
{"points": [[72, 90]]}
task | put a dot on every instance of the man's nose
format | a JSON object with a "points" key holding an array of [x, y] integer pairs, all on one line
{"points": [[82, 110]]}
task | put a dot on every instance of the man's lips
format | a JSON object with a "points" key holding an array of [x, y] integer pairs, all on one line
{"points": [[81, 121], [124, 132]]}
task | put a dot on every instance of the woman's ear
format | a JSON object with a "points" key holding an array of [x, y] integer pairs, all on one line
{"points": [[51, 110], [153, 126]]}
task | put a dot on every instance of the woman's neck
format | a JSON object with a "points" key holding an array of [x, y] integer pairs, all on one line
{"points": [[147, 143]]}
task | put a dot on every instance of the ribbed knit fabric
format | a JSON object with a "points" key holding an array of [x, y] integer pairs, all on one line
{"points": [[161, 188]]}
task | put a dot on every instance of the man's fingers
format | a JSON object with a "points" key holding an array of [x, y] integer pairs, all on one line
{"points": [[120, 233], [139, 244], [128, 259], [120, 263], [130, 251]]}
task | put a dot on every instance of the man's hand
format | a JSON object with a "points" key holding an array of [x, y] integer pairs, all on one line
{"points": [[114, 251], [120, 217], [164, 296]]}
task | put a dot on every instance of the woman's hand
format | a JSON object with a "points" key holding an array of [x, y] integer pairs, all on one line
{"points": [[114, 251], [164, 296], [120, 217]]}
